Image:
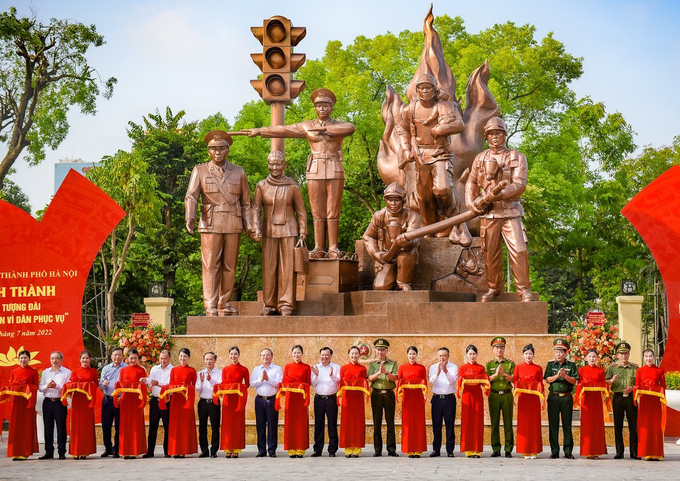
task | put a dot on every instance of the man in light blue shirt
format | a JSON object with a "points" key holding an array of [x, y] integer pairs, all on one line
{"points": [[111, 413]]}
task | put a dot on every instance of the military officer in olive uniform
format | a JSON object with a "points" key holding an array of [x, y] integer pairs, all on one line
{"points": [[562, 375], [500, 371], [382, 375], [621, 377]]}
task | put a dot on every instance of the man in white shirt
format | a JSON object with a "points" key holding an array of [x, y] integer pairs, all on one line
{"points": [[325, 378], [443, 377], [158, 377], [266, 378], [51, 385], [207, 379]]}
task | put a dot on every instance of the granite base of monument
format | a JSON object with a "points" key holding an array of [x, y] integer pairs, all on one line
{"points": [[386, 312]]}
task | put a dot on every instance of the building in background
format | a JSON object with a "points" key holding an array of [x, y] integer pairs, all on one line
{"points": [[62, 167]]}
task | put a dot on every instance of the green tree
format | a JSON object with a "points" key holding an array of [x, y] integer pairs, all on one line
{"points": [[125, 178], [43, 72], [13, 194], [170, 146]]}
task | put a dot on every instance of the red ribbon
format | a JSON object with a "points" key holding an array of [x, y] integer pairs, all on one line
{"points": [[224, 391], [285, 390], [88, 389], [130, 387]]}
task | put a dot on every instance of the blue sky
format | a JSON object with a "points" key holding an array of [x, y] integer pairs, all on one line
{"points": [[194, 55]]}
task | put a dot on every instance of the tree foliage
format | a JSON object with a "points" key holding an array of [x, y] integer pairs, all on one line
{"points": [[43, 72], [13, 194], [124, 177]]}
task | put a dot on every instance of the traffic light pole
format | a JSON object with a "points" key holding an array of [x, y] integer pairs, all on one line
{"points": [[278, 62], [278, 118]]}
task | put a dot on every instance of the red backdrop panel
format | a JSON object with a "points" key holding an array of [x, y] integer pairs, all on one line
{"points": [[43, 269], [655, 214]]}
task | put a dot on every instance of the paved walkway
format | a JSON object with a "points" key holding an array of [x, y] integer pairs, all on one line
{"points": [[247, 467]]}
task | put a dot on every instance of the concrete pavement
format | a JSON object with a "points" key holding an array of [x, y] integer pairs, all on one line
{"points": [[247, 467]]}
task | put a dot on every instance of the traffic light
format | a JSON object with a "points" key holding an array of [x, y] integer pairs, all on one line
{"points": [[277, 60]]}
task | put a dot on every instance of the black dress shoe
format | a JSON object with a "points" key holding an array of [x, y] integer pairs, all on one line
{"points": [[106, 454], [147, 455], [315, 455], [62, 456], [272, 455], [570, 456], [46, 456], [496, 454], [554, 456], [115, 455], [261, 455], [635, 457], [377, 455], [394, 454], [618, 456], [213, 455], [450, 455], [508, 454], [435, 454], [165, 455], [331, 455], [203, 455]]}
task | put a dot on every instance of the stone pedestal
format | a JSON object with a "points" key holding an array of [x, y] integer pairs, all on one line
{"points": [[630, 324], [330, 276], [159, 308], [386, 312]]}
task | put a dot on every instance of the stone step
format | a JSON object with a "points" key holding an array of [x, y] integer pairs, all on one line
{"points": [[389, 317]]}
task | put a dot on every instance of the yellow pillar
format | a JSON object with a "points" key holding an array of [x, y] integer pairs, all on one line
{"points": [[159, 309], [630, 324]]}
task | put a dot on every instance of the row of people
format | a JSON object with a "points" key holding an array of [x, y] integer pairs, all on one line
{"points": [[223, 396]]}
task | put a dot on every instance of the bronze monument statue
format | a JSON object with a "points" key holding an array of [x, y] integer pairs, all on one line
{"points": [[384, 241], [435, 130], [503, 217], [225, 202], [325, 173], [283, 223], [424, 133]]}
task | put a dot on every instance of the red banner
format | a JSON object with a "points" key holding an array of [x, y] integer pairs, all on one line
{"points": [[655, 214], [43, 269]]}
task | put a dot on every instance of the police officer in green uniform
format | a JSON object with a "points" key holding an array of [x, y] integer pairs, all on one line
{"points": [[500, 371], [382, 374], [562, 375], [621, 377]]}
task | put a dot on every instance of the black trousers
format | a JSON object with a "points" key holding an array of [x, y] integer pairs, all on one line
{"points": [[266, 415], [624, 406], [155, 416], [54, 411], [208, 409], [443, 409], [560, 406], [383, 400], [110, 413], [326, 407]]}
